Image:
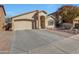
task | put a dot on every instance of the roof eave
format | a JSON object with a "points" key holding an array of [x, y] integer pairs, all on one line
{"points": [[3, 9]]}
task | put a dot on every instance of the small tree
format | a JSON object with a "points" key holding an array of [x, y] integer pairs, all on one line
{"points": [[8, 25], [68, 13], [8, 19]]}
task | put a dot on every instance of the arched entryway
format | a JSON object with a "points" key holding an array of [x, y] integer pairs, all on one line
{"points": [[42, 22]]}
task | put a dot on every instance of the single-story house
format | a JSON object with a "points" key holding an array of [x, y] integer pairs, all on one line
{"points": [[2, 18], [32, 20]]}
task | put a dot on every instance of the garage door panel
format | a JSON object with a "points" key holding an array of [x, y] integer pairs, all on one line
{"points": [[22, 25]]}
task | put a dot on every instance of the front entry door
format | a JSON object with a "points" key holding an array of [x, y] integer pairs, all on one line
{"points": [[42, 22]]}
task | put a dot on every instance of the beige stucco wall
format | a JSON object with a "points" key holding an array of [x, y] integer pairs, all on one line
{"points": [[2, 19], [46, 23], [24, 24], [76, 20], [25, 16], [42, 14]]}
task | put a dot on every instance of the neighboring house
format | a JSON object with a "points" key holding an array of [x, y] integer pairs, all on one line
{"points": [[76, 22], [56, 16], [31, 20], [2, 18]]}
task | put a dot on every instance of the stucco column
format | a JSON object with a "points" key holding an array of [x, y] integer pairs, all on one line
{"points": [[36, 24], [38, 20]]}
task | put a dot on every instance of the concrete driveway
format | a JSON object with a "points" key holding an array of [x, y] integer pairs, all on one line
{"points": [[42, 41]]}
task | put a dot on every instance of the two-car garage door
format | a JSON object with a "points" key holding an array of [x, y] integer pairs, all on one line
{"points": [[22, 25]]}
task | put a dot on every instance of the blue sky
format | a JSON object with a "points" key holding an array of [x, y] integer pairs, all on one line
{"points": [[15, 9]]}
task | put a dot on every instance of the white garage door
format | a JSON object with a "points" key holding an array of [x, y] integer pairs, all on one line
{"points": [[22, 25]]}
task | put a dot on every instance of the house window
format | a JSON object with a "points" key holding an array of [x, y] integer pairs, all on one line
{"points": [[50, 22]]}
